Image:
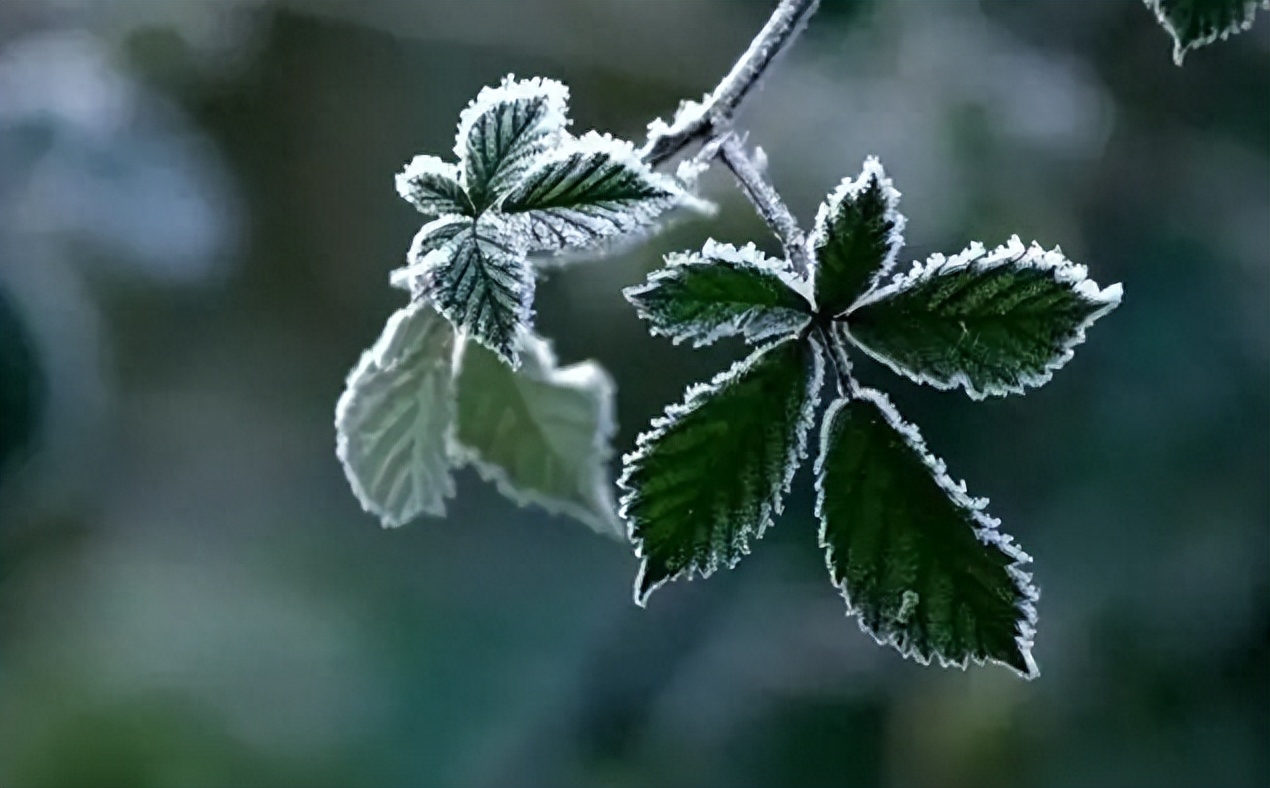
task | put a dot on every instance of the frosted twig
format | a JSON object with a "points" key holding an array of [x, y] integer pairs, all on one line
{"points": [[714, 117], [767, 202]]}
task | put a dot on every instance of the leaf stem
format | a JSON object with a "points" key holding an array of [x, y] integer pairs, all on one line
{"points": [[715, 115], [767, 201]]}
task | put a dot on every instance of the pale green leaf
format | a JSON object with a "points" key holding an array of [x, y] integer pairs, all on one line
{"points": [[541, 433], [857, 234], [722, 291], [992, 323], [1195, 23], [712, 472], [394, 417], [919, 562]]}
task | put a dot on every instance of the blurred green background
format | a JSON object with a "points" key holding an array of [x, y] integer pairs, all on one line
{"points": [[197, 221]]}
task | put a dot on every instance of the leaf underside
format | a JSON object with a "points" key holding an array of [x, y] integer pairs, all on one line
{"points": [[1195, 23], [394, 416], [589, 190], [919, 562], [712, 472], [483, 285], [857, 234], [720, 292], [992, 323], [541, 434]]}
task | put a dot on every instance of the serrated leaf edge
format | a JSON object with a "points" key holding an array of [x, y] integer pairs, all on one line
{"points": [[975, 256], [424, 164], [987, 530], [511, 89], [1180, 49]]}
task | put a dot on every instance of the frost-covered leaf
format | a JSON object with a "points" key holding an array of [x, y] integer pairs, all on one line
{"points": [[918, 561], [433, 187], [712, 472], [858, 232], [433, 236], [1194, 23], [993, 323], [541, 433], [586, 191], [722, 291], [395, 415], [502, 131], [482, 283]]}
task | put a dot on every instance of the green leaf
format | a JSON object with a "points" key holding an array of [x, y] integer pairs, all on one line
{"points": [[482, 283], [22, 387], [993, 324], [503, 129], [586, 191], [918, 561], [722, 291], [858, 232], [394, 417], [1195, 23], [542, 434], [712, 472], [433, 236], [432, 186]]}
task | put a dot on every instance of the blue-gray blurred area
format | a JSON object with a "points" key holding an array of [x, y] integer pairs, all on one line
{"points": [[197, 221]]}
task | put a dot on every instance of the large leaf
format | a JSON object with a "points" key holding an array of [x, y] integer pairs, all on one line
{"points": [[433, 236], [586, 191], [503, 129], [395, 415], [433, 187], [482, 283], [918, 561], [542, 434], [858, 232], [1194, 23], [992, 323], [722, 291], [712, 472]]}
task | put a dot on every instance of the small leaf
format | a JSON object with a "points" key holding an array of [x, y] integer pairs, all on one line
{"points": [[502, 131], [482, 283], [1195, 23], [394, 416], [722, 291], [432, 186], [434, 235], [586, 191], [992, 323], [858, 232], [920, 562], [542, 434], [712, 472]]}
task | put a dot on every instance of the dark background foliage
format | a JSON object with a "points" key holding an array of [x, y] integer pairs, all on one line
{"points": [[197, 221]]}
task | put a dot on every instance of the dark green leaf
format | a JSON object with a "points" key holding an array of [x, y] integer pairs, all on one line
{"points": [[541, 433], [482, 283], [858, 232], [21, 385], [712, 472], [722, 291], [432, 186], [586, 191], [1194, 23], [433, 236], [918, 561], [502, 131], [992, 323]]}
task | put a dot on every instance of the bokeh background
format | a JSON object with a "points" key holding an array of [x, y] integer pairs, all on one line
{"points": [[197, 221]]}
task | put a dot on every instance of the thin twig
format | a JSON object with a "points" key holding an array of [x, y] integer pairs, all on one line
{"points": [[767, 202], [714, 117]]}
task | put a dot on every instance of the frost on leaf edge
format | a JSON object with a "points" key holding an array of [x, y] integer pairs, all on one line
{"points": [[426, 242], [850, 189], [380, 355], [693, 394], [422, 165], [539, 360], [747, 256], [1180, 49], [987, 531], [1012, 252], [511, 89]]}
